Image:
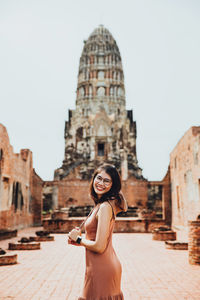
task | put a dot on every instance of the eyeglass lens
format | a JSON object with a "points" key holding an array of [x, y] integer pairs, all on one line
{"points": [[104, 180]]}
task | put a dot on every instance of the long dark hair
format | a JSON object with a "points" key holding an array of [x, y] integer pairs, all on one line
{"points": [[113, 193]]}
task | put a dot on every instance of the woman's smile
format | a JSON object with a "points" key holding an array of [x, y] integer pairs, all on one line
{"points": [[102, 183], [100, 188]]}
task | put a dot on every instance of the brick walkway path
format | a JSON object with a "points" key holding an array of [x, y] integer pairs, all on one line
{"points": [[56, 271]]}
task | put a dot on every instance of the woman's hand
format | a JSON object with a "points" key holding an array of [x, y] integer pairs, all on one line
{"points": [[71, 242], [74, 233]]}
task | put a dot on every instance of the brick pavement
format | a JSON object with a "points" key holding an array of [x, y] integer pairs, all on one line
{"points": [[56, 271]]}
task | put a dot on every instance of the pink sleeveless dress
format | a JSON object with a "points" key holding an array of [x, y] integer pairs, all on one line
{"points": [[103, 270]]}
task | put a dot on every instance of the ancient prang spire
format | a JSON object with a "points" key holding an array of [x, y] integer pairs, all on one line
{"points": [[100, 129]]}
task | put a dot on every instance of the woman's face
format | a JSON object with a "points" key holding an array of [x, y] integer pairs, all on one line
{"points": [[102, 183]]}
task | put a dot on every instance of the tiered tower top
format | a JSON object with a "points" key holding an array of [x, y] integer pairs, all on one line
{"points": [[100, 129], [100, 77]]}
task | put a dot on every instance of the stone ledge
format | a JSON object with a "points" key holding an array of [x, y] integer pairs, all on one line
{"points": [[8, 259], [24, 246], [7, 234], [174, 245], [122, 224], [164, 235], [41, 238]]}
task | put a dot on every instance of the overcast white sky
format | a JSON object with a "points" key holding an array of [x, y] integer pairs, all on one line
{"points": [[40, 45]]}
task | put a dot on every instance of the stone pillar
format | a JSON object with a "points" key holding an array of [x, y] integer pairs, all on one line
{"points": [[86, 90], [95, 91], [124, 165], [55, 197], [194, 242], [107, 91]]}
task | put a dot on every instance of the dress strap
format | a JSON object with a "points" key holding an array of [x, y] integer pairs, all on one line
{"points": [[112, 209], [86, 218]]}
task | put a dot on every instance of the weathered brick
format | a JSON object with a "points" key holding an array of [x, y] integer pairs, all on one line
{"points": [[20, 187], [185, 182]]}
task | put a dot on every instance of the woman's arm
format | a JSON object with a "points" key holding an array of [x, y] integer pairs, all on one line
{"points": [[104, 216]]}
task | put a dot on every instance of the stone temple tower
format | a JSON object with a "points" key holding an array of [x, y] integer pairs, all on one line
{"points": [[100, 129]]}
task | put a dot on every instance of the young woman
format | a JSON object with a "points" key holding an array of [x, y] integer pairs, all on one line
{"points": [[103, 268]]}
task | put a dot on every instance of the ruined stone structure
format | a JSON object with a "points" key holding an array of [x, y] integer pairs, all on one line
{"points": [[194, 242], [159, 198], [20, 187], [185, 179], [100, 129]]}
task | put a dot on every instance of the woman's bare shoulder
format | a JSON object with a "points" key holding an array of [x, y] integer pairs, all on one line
{"points": [[115, 207], [105, 207], [104, 204]]}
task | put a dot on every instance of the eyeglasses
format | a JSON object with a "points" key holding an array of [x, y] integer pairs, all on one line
{"points": [[105, 181]]}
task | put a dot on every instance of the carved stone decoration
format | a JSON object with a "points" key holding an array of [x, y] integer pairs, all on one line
{"points": [[100, 129], [101, 91]]}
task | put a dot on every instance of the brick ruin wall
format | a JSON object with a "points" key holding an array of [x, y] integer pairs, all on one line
{"points": [[20, 188], [76, 192], [73, 192], [185, 182], [36, 195], [159, 197]]}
